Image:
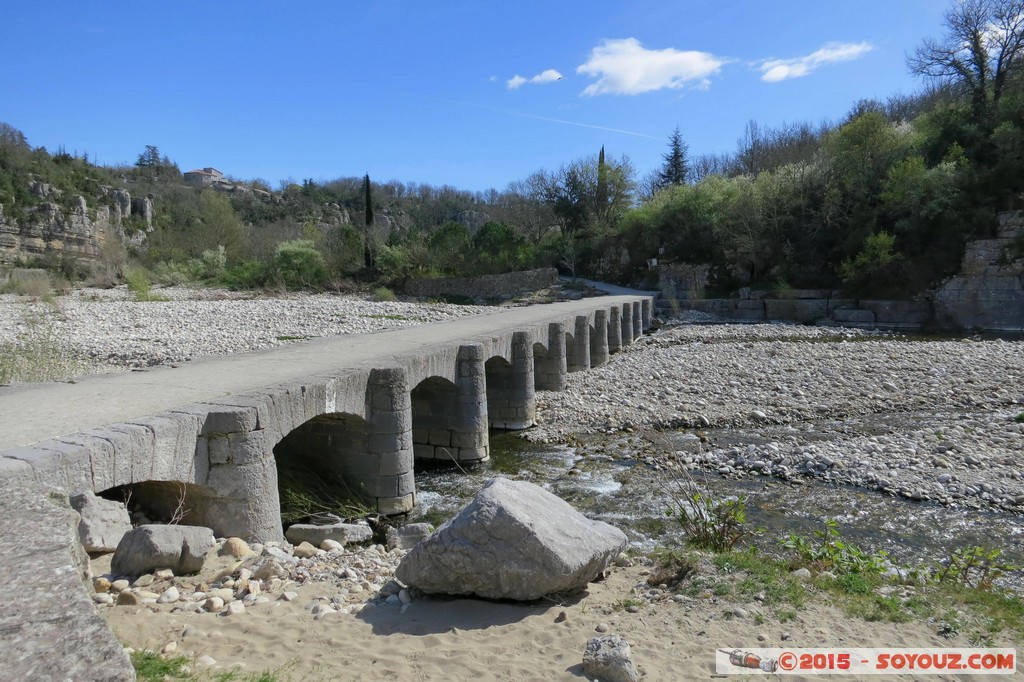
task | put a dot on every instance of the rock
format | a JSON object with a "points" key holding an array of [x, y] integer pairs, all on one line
{"points": [[513, 541], [331, 545], [235, 608], [339, 532], [101, 585], [164, 574], [801, 573], [169, 648], [609, 659], [127, 598], [169, 596], [104, 598], [236, 547], [289, 596], [271, 568], [304, 550], [408, 535], [213, 604], [144, 581], [146, 548], [103, 524], [119, 585]]}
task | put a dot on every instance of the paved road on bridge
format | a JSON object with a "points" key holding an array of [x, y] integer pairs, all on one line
{"points": [[30, 413]]}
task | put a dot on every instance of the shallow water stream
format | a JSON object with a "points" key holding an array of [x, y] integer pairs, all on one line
{"points": [[633, 495]]}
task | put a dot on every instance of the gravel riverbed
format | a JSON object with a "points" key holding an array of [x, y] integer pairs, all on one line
{"points": [[105, 330], [925, 419]]}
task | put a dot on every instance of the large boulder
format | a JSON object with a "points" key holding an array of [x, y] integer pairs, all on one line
{"points": [[515, 541], [103, 524], [152, 547]]}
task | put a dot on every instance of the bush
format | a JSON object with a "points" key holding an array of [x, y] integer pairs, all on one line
{"points": [[248, 275], [298, 265], [826, 550], [709, 522], [384, 294]]}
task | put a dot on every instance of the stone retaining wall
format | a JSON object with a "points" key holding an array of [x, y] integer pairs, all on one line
{"points": [[490, 287]]}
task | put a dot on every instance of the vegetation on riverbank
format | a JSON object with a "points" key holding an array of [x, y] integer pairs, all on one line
{"points": [[960, 595], [880, 202]]}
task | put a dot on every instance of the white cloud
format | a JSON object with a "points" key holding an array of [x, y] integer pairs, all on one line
{"points": [[625, 67], [775, 70], [546, 76]]}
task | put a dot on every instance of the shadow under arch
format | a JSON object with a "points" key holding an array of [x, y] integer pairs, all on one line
{"points": [[323, 465]]}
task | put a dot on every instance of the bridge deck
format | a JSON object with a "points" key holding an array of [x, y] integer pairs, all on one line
{"points": [[30, 413]]}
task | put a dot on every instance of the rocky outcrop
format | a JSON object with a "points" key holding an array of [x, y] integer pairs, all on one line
{"points": [[988, 294], [66, 226], [516, 541]]}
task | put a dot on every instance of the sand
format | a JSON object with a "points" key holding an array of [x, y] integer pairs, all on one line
{"points": [[468, 639]]}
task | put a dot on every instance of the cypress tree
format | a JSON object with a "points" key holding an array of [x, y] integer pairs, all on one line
{"points": [[369, 200]]}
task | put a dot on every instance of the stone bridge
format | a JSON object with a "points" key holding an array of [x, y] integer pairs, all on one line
{"points": [[356, 411]]}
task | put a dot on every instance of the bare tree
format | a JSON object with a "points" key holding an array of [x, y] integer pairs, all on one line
{"points": [[982, 47]]}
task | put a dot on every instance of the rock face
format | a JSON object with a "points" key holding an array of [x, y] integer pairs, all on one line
{"points": [[103, 524], [513, 541], [149, 548], [51, 629], [608, 659]]}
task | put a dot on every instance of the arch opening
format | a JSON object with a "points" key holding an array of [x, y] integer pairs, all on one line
{"points": [[323, 467]]}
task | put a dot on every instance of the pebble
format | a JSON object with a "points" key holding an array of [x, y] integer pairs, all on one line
{"points": [[169, 596]]}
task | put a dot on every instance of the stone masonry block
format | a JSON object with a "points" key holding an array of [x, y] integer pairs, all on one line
{"points": [[423, 451], [474, 454], [101, 459], [221, 418], [380, 443], [389, 506], [440, 438], [174, 445], [76, 465]]}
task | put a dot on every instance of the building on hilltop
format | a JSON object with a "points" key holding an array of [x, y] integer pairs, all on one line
{"points": [[204, 177]]}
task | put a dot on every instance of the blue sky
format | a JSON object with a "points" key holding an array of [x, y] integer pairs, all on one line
{"points": [[472, 94]]}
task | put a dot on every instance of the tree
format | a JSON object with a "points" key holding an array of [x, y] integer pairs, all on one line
{"points": [[9, 135], [368, 198], [981, 50], [675, 169], [150, 158]]}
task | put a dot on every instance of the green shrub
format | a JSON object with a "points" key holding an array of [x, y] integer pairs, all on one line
{"points": [[248, 275], [709, 522], [382, 294], [213, 262], [976, 567], [826, 550], [298, 265]]}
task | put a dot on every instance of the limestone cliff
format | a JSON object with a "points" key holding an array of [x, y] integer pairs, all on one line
{"points": [[67, 227]]}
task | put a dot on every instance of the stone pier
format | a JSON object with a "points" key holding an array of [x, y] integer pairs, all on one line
{"points": [[550, 366], [627, 324], [614, 329], [599, 339], [511, 401], [449, 421], [578, 351]]}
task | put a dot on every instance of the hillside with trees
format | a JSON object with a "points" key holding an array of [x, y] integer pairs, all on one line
{"points": [[881, 202]]}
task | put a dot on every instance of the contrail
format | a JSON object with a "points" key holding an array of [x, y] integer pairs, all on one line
{"points": [[548, 119]]}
